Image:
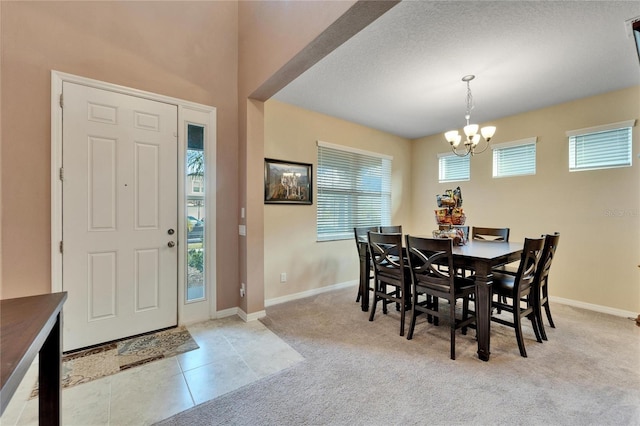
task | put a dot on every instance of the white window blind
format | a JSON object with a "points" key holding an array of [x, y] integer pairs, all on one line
{"points": [[515, 158], [600, 147], [354, 189], [453, 168]]}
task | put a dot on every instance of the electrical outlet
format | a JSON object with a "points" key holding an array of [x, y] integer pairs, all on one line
{"points": [[242, 290], [283, 277]]}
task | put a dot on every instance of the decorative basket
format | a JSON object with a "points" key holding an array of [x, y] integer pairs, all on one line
{"points": [[458, 220]]}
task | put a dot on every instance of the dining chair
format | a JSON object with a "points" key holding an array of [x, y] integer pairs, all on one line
{"points": [[362, 244], [391, 229], [389, 270], [490, 234], [424, 256], [542, 280], [513, 291]]}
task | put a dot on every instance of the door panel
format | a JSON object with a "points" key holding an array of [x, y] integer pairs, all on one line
{"points": [[119, 200]]}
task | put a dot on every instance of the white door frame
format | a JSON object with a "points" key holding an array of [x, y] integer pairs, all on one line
{"points": [[188, 112]]}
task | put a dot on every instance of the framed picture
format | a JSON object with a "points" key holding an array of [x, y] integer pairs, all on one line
{"points": [[287, 182]]}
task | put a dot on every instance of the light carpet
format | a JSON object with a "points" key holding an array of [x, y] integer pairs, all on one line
{"points": [[358, 372], [100, 361]]}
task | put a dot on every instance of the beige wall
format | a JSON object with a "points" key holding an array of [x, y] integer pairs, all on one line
{"points": [[186, 50], [290, 243], [596, 212], [277, 41]]}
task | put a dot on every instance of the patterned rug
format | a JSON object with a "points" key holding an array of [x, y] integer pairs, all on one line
{"points": [[111, 358]]}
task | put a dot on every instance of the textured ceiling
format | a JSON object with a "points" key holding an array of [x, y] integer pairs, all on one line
{"points": [[402, 74]]}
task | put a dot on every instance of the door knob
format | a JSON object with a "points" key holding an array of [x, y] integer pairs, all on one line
{"points": [[170, 231], [171, 244]]}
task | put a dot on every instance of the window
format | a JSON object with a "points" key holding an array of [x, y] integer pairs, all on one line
{"points": [[354, 189], [515, 158], [453, 168], [195, 210], [600, 147]]}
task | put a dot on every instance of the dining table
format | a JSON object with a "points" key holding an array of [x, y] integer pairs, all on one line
{"points": [[477, 255], [482, 257]]}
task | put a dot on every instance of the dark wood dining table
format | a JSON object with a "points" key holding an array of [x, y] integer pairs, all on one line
{"points": [[481, 257], [28, 326]]}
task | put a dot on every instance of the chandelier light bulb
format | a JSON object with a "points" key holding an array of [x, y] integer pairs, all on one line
{"points": [[470, 130], [488, 132]]}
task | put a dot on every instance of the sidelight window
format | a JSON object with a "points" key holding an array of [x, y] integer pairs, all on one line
{"points": [[195, 212]]}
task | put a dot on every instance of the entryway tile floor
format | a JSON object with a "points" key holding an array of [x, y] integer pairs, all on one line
{"points": [[232, 354]]}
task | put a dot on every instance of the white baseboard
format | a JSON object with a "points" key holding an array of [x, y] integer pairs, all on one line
{"points": [[308, 293], [592, 307], [252, 316], [227, 313], [277, 300]]}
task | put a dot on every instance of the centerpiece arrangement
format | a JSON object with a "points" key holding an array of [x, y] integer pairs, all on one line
{"points": [[450, 213]]}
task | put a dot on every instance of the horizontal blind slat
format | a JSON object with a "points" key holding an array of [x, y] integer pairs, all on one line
{"points": [[453, 168], [514, 160]]}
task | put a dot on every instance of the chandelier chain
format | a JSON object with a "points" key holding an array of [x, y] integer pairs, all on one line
{"points": [[469, 103]]}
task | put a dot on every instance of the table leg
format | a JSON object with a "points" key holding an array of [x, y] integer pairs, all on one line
{"points": [[483, 309], [49, 376]]}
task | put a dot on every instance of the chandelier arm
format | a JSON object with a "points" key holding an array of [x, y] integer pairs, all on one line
{"points": [[467, 151], [483, 149]]}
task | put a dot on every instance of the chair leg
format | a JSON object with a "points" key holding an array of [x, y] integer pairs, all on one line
{"points": [[548, 311], [538, 318], [436, 308], [414, 314], [402, 310], [517, 323], [465, 313], [383, 288], [375, 302], [452, 326], [534, 324]]}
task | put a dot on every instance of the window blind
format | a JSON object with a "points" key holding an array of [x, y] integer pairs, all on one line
{"points": [[600, 150], [453, 168], [515, 158], [354, 189]]}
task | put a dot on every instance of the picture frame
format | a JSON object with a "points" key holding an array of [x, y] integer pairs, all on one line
{"points": [[287, 182]]}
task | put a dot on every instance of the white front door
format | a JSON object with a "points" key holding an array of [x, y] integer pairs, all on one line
{"points": [[119, 215]]}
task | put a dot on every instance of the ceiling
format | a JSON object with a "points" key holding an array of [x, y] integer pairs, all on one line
{"points": [[402, 74]]}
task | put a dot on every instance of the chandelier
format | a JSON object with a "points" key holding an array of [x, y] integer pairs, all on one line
{"points": [[470, 145]]}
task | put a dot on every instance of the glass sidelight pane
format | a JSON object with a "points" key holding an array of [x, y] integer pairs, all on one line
{"points": [[195, 208]]}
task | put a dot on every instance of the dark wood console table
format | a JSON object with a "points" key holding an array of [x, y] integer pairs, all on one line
{"points": [[28, 326]]}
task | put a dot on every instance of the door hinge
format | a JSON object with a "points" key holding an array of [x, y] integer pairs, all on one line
{"points": [[61, 246], [61, 174], [61, 100]]}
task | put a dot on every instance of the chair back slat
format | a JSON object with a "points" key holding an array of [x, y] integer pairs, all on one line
{"points": [[392, 229], [490, 234]]}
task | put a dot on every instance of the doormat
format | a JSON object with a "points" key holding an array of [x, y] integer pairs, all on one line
{"points": [[111, 358]]}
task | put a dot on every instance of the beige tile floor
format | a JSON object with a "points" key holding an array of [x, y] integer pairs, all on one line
{"points": [[232, 354]]}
